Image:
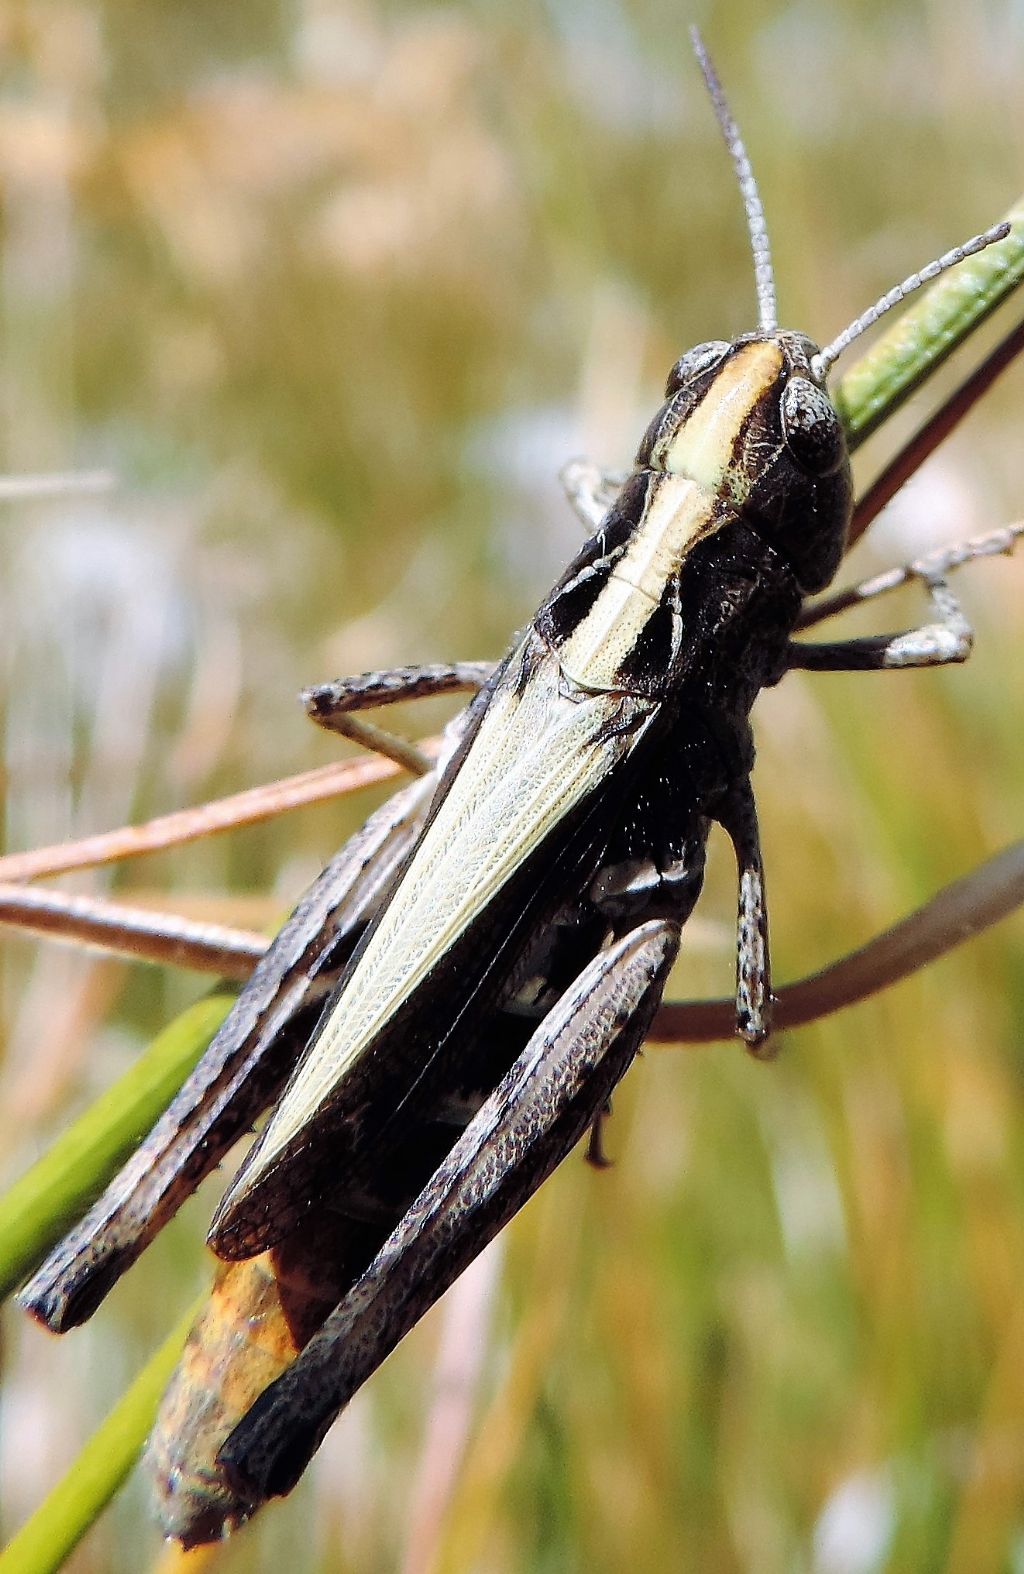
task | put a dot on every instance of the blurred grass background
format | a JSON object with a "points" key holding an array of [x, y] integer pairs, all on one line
{"points": [[331, 289]]}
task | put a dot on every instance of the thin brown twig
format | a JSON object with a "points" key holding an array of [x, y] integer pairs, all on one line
{"points": [[209, 819], [132, 931], [956, 913]]}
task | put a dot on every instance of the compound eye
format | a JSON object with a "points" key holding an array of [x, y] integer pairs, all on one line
{"points": [[699, 359], [811, 427]]}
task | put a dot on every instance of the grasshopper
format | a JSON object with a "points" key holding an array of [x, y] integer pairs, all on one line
{"points": [[450, 1007]]}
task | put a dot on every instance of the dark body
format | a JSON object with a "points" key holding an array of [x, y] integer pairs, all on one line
{"points": [[502, 941], [619, 836]]}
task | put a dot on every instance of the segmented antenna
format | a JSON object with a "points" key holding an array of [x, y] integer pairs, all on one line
{"points": [[763, 275], [825, 358]]}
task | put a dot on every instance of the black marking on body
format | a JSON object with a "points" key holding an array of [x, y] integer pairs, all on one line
{"points": [[588, 573]]}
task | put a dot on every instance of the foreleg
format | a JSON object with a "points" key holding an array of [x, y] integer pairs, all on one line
{"points": [[948, 639], [936, 566]]}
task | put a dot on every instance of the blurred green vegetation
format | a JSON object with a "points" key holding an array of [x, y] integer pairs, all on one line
{"points": [[332, 289]]}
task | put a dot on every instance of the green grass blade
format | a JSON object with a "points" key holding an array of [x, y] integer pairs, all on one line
{"points": [[59, 1188], [921, 337], [61, 1520]]}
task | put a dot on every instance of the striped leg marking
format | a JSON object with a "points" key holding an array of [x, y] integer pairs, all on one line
{"points": [[738, 817]]}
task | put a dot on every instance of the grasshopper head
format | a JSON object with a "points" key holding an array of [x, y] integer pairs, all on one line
{"points": [[750, 422]]}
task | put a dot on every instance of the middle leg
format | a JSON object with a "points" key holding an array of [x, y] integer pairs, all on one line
{"points": [[331, 705], [737, 815]]}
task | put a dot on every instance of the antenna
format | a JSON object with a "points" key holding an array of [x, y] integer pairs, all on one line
{"points": [[825, 358], [764, 278]]}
